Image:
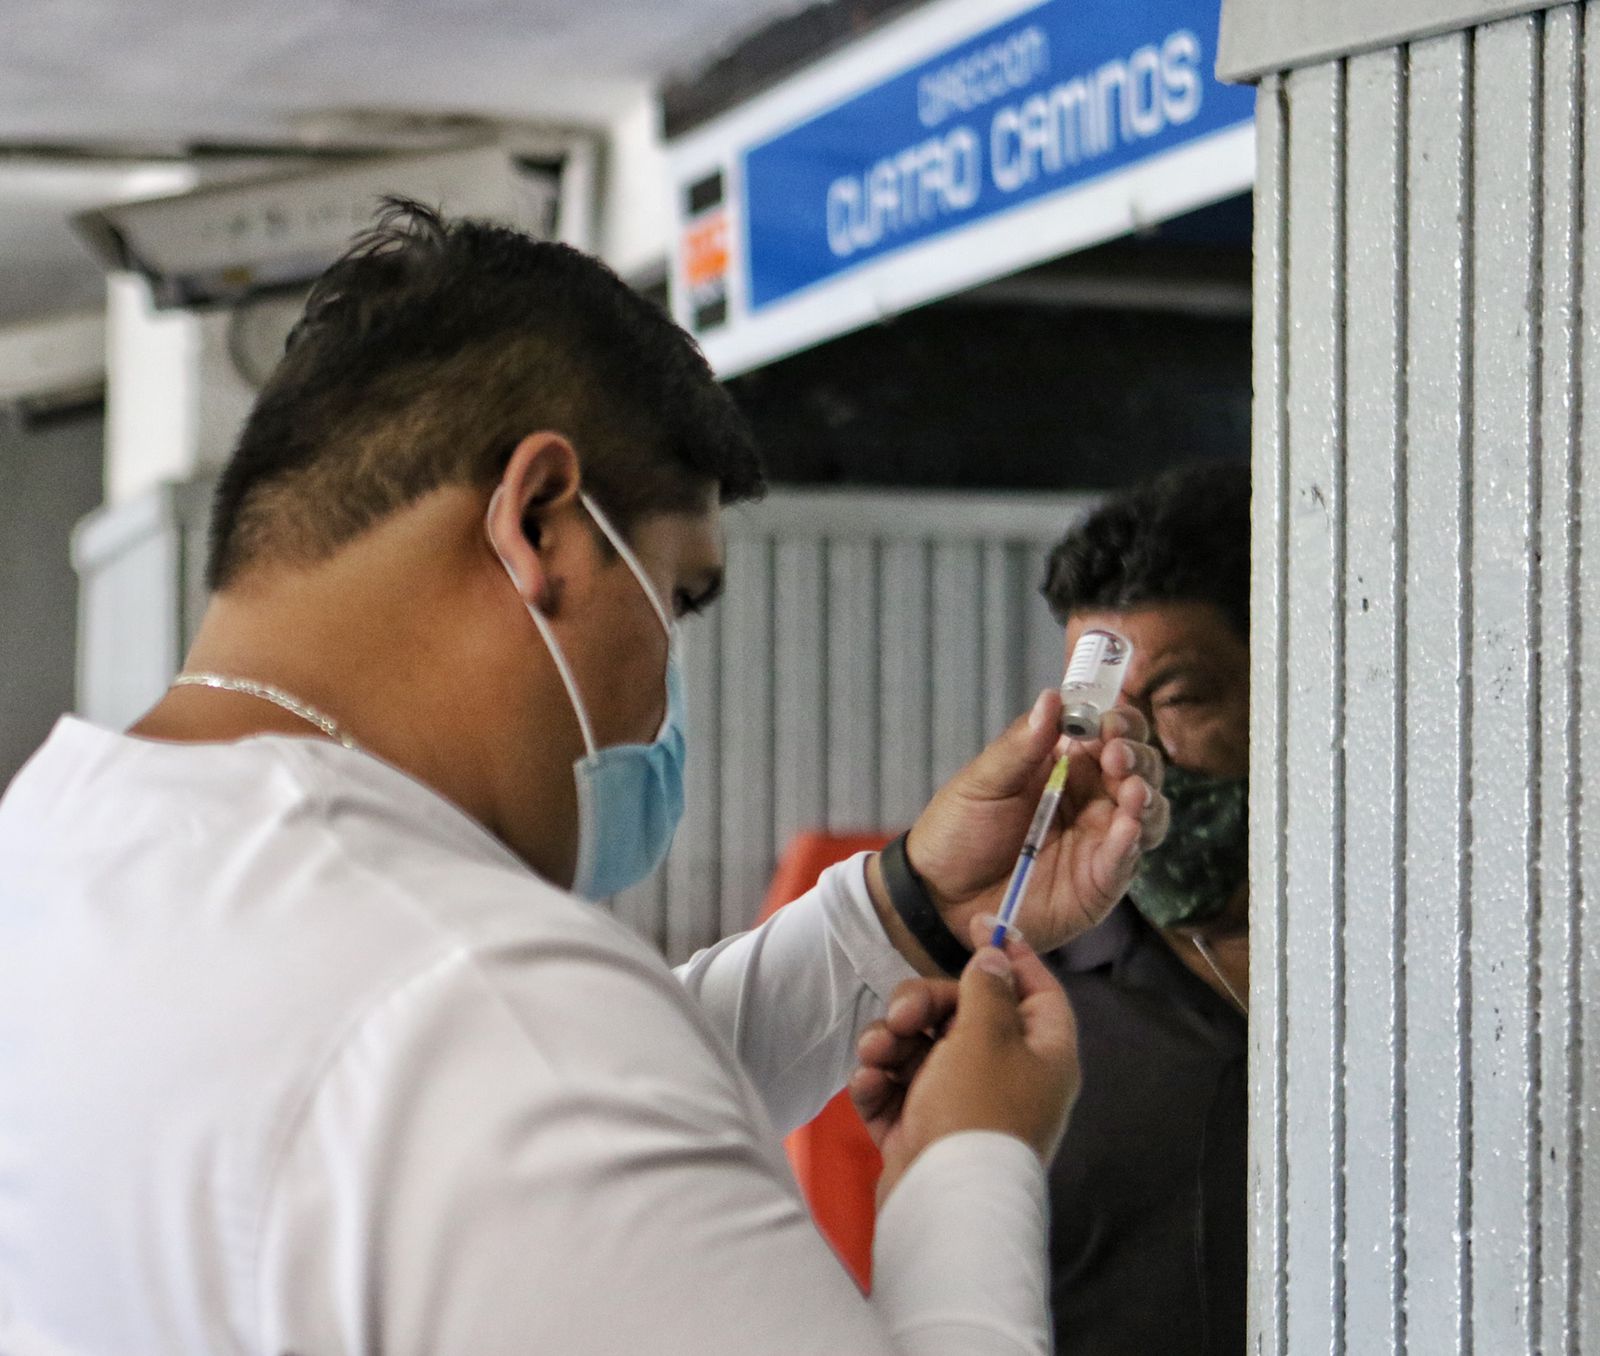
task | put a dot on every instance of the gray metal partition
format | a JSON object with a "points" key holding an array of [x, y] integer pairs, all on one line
{"points": [[868, 645], [1426, 774]]}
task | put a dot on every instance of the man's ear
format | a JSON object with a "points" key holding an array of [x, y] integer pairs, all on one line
{"points": [[540, 480]]}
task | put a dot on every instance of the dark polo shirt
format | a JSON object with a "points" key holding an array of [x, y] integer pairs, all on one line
{"points": [[1147, 1241]]}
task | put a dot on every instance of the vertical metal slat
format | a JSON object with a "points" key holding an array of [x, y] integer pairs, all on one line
{"points": [[800, 706], [1373, 696], [905, 683], [1556, 525], [1041, 637], [747, 637], [1004, 596], [1268, 1148], [853, 755], [1313, 751], [1437, 439], [956, 660], [694, 866], [1503, 768], [1585, 580]]}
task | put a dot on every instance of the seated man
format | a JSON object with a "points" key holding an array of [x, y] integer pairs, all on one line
{"points": [[1148, 1188]]}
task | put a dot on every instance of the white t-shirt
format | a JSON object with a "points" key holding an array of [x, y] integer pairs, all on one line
{"points": [[295, 1058]]}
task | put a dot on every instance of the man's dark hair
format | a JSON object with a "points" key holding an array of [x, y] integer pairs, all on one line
{"points": [[428, 351], [1182, 537]]}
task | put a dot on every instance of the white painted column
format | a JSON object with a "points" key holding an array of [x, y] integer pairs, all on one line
{"points": [[174, 400], [1425, 1161]]}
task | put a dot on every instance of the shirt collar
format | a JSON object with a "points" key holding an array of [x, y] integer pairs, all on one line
{"points": [[1126, 944], [1110, 943]]}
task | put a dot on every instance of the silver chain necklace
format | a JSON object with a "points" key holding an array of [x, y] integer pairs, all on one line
{"points": [[276, 695], [1222, 979]]}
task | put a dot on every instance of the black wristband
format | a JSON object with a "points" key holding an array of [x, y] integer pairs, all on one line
{"points": [[910, 899]]}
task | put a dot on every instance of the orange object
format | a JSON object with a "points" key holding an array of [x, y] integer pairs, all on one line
{"points": [[705, 250], [834, 1159]]}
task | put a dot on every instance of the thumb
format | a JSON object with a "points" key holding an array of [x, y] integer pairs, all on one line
{"points": [[987, 1005], [1013, 762]]}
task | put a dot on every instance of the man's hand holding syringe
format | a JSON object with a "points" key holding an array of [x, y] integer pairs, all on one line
{"points": [[1092, 684], [1066, 800]]}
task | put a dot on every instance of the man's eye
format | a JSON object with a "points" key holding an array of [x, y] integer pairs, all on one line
{"points": [[1193, 695], [689, 605]]}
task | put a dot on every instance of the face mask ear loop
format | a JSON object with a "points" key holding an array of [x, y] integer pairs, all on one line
{"points": [[556, 655], [567, 679], [626, 552]]}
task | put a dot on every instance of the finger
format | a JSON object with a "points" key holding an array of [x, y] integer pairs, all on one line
{"points": [[875, 1045], [904, 1075], [1134, 796], [983, 926], [878, 1047], [1046, 1014], [988, 1003], [1125, 722], [920, 1005], [1127, 758], [1017, 760], [1120, 722], [1044, 718], [1031, 974], [1116, 856], [1155, 823], [1120, 725], [874, 1095]]}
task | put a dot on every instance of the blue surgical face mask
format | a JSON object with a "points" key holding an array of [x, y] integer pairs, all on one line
{"points": [[630, 799], [630, 796]]}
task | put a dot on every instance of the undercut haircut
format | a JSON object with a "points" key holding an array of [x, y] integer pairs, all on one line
{"points": [[1183, 537], [428, 352]]}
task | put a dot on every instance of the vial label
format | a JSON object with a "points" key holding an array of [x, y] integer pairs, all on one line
{"points": [[1093, 681]]}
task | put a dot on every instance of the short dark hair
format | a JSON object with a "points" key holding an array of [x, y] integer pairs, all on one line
{"points": [[428, 351], [1182, 537]]}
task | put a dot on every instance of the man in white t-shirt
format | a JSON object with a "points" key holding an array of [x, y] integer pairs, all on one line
{"points": [[308, 1040]]}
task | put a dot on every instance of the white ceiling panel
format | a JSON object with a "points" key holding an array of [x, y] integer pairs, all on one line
{"points": [[244, 67], [160, 75]]}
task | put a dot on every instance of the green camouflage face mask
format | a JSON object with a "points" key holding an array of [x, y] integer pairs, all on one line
{"points": [[1205, 856]]}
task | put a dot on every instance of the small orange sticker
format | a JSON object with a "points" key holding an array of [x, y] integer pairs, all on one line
{"points": [[705, 250]]}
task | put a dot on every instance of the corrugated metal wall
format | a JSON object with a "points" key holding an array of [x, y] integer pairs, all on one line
{"points": [[867, 646], [1426, 785]]}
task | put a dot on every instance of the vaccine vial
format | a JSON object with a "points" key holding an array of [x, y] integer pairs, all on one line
{"points": [[1093, 681]]}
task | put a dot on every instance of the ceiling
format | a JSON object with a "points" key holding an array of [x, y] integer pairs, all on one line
{"points": [[97, 97]]}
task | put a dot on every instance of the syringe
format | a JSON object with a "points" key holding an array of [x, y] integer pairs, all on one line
{"points": [[1031, 844], [1090, 688]]}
